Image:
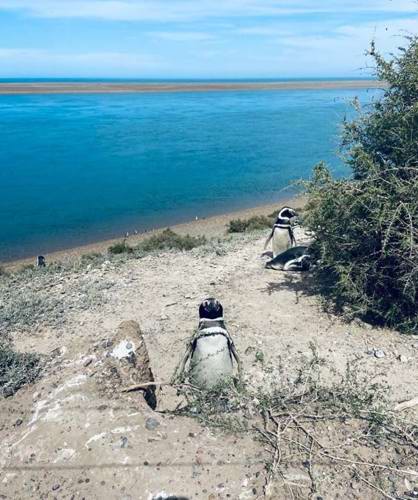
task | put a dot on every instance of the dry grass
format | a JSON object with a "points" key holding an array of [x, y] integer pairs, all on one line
{"points": [[319, 437], [16, 370]]}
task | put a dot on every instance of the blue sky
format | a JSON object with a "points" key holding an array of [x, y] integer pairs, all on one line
{"points": [[198, 38]]}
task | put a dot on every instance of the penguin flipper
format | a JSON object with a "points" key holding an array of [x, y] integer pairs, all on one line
{"points": [[237, 359], [269, 239]]}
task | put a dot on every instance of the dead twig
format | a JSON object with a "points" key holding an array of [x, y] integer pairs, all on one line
{"points": [[374, 486], [145, 385], [407, 404]]}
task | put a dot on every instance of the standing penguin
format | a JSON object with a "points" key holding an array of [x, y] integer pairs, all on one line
{"points": [[211, 351], [282, 232]]}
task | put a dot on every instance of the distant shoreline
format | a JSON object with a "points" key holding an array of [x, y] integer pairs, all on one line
{"points": [[118, 88], [212, 227]]}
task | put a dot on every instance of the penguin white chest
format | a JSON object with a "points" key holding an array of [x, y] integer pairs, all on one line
{"points": [[281, 241], [211, 361]]}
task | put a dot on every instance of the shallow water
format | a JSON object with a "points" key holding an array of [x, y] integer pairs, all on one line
{"points": [[80, 168]]}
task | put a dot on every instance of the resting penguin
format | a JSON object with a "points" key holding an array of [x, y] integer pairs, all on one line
{"points": [[282, 232], [293, 259], [211, 351]]}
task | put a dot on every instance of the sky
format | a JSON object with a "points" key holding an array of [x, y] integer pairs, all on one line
{"points": [[198, 38]]}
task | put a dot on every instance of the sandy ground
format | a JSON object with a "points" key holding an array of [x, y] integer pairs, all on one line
{"points": [[214, 226], [111, 88], [74, 435]]}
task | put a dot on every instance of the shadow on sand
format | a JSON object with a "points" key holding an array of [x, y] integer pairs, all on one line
{"points": [[302, 284]]}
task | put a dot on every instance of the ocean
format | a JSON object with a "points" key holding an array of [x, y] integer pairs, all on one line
{"points": [[78, 168]]}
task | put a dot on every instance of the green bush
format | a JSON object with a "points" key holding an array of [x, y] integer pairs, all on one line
{"points": [[168, 239], [366, 227], [16, 370], [119, 248], [252, 224]]}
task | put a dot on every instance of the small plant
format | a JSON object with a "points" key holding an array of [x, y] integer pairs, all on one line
{"points": [[252, 224], [121, 247], [168, 239], [16, 370], [88, 258], [259, 357]]}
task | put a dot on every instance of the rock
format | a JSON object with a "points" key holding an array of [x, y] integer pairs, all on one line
{"points": [[402, 358], [377, 353], [87, 362], [56, 487], [128, 363], [123, 442], [151, 424]]}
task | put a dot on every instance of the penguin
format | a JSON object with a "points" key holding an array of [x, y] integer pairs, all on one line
{"points": [[40, 261], [211, 351], [282, 232], [292, 259]]}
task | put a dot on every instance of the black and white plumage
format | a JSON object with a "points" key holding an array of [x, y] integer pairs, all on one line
{"points": [[292, 259], [282, 235], [40, 261], [211, 351]]}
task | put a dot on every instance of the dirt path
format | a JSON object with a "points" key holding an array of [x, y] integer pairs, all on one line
{"points": [[69, 436]]}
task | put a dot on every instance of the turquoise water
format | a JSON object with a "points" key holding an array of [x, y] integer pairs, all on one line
{"points": [[80, 168]]}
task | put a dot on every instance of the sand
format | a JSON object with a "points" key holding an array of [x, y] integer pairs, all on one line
{"points": [[114, 88], [214, 226], [73, 434]]}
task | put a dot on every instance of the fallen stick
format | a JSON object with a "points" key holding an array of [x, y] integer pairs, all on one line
{"points": [[374, 486], [406, 404], [139, 387]]}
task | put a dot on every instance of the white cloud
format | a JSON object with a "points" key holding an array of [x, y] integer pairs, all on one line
{"points": [[24, 61], [184, 10], [182, 36], [263, 31], [344, 48], [227, 46]]}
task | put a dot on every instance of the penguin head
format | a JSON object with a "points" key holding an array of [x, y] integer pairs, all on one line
{"points": [[210, 309], [286, 214]]}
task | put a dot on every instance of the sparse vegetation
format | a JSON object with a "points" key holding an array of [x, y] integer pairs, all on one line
{"points": [[252, 224], [32, 298], [120, 247], [16, 370], [168, 240], [366, 227], [89, 258], [337, 433], [165, 240]]}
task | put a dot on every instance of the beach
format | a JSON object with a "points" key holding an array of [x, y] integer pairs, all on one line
{"points": [[212, 227], [117, 88]]}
